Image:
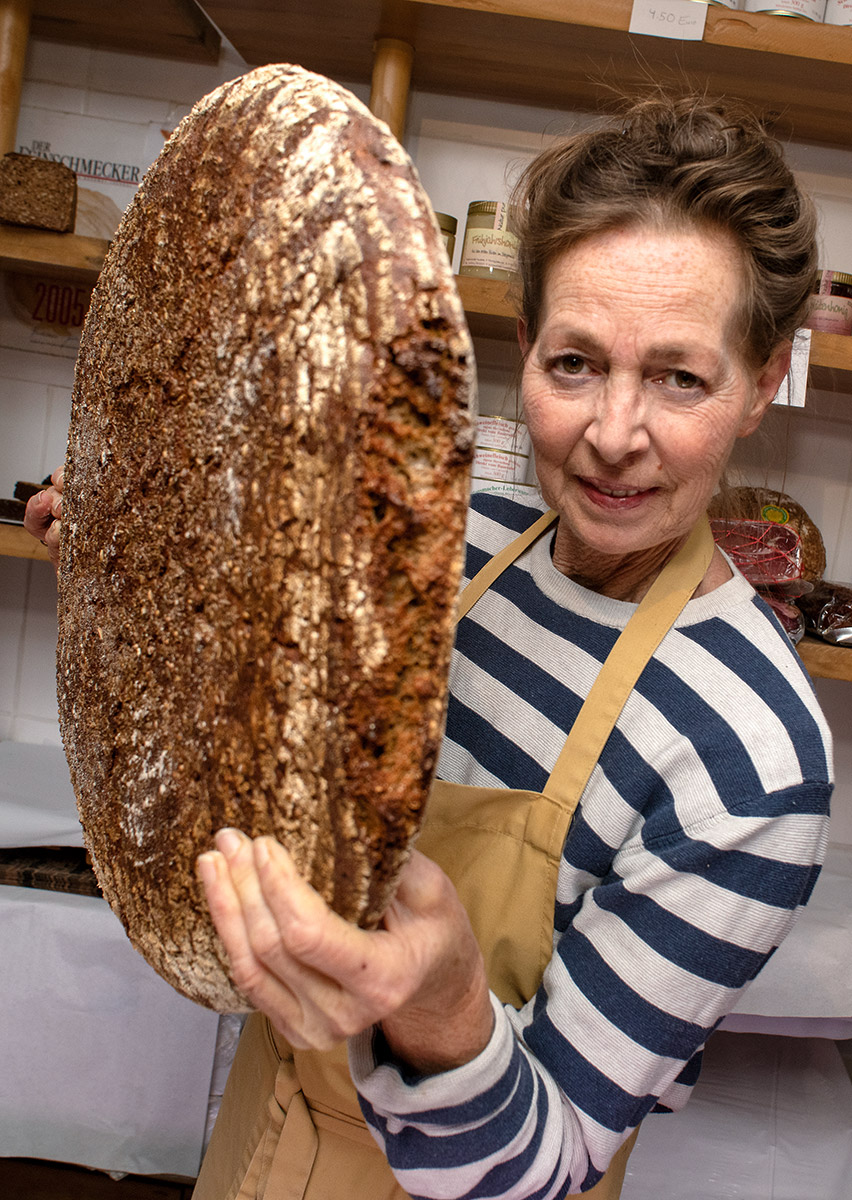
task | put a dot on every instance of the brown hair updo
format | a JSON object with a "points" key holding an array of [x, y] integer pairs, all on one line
{"points": [[676, 163]]}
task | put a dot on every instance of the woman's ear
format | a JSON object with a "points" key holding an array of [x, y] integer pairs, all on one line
{"points": [[522, 337], [768, 382]]}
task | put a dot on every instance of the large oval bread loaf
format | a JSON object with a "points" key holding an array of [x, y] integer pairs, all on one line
{"points": [[266, 490]]}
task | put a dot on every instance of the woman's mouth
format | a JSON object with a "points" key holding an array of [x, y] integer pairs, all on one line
{"points": [[614, 494], [620, 492]]}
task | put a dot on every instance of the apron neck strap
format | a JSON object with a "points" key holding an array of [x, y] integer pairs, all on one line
{"points": [[655, 615], [495, 566]]}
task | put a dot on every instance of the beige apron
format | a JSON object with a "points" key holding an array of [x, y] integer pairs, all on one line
{"points": [[290, 1127]]}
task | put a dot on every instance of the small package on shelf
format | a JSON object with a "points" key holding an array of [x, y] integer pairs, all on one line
{"points": [[828, 612], [790, 615], [12, 511]]}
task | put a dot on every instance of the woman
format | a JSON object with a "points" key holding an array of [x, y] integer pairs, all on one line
{"points": [[665, 264]]}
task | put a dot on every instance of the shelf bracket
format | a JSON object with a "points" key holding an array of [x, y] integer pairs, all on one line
{"points": [[391, 80], [14, 33]]}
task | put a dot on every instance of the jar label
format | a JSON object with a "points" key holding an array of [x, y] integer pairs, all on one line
{"points": [[814, 10], [502, 450], [830, 314], [494, 246], [838, 12]]}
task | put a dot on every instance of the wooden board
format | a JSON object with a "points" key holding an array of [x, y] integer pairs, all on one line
{"points": [[15, 542], [164, 28], [565, 54]]}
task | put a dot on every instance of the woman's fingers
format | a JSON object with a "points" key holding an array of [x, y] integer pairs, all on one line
{"points": [[43, 515], [308, 1007], [38, 515], [314, 934], [266, 991], [226, 911], [321, 979]]}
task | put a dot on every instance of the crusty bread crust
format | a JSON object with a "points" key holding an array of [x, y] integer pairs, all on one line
{"points": [[266, 484]]}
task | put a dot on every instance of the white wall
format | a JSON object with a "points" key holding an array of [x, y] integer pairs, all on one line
{"points": [[106, 105]]}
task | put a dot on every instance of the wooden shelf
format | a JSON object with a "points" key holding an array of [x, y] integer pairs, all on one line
{"points": [[163, 28], [35, 251], [564, 54], [15, 542], [824, 661], [487, 302]]}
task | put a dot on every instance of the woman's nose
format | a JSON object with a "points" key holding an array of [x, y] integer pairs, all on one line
{"points": [[618, 428]]}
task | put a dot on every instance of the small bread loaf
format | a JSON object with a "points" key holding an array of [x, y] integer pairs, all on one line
{"points": [[266, 490], [37, 192]]}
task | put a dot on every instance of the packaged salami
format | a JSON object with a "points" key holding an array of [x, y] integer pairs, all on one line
{"points": [[790, 615]]}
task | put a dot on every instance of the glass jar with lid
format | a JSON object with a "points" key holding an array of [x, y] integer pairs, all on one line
{"points": [[490, 247]]}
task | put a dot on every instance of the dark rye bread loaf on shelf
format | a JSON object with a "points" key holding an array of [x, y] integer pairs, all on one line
{"points": [[266, 490], [37, 192]]}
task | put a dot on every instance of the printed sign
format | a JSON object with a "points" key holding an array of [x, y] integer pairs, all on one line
{"points": [[794, 385], [44, 313]]}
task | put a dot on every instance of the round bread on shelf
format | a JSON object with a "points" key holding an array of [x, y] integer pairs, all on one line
{"points": [[266, 491]]}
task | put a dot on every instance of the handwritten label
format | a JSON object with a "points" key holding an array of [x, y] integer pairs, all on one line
{"points": [[794, 385], [679, 19]]}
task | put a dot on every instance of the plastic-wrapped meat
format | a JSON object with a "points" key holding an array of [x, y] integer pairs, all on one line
{"points": [[828, 612], [768, 554], [788, 614]]}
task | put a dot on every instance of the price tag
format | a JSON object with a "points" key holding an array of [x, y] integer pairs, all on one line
{"points": [[680, 19]]}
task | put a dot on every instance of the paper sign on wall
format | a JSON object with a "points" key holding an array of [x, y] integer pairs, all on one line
{"points": [[794, 385], [680, 19]]}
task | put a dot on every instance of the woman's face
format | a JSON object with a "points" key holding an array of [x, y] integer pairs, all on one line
{"points": [[635, 389]]}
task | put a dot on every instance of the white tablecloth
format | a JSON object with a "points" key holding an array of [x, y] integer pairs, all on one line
{"points": [[37, 805], [116, 1068], [770, 1119], [103, 1063], [806, 987]]}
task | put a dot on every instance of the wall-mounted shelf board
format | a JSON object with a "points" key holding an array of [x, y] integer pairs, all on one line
{"points": [[177, 29], [15, 542], [563, 54], [824, 661], [489, 309], [35, 251]]}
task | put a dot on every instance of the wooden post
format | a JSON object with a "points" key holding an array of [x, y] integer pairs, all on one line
{"points": [[390, 82], [14, 32]]}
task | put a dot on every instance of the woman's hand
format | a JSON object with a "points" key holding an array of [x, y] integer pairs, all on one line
{"points": [[321, 979], [43, 516]]}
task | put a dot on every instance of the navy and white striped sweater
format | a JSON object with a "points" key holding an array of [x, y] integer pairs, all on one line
{"points": [[698, 836]]}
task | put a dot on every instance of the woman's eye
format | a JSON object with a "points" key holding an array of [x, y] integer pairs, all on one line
{"points": [[683, 380], [571, 364]]}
